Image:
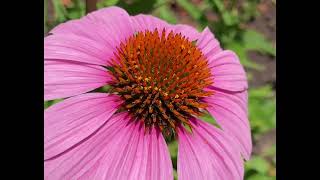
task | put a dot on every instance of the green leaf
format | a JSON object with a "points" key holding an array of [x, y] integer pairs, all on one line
{"points": [[262, 109], [60, 11], [258, 164], [106, 3], [175, 174], [50, 103], [165, 13], [229, 19], [260, 177], [241, 51], [193, 10], [254, 40], [173, 149]]}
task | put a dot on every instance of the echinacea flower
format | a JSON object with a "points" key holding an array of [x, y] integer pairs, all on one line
{"points": [[162, 79]]}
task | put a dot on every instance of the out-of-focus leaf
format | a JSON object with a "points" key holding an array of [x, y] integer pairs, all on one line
{"points": [[262, 109], [105, 3], [260, 177], [175, 174], [259, 164], [165, 13], [219, 4], [256, 41], [241, 51], [59, 10], [45, 15], [137, 6], [193, 10], [173, 148], [229, 19], [251, 40], [50, 103]]}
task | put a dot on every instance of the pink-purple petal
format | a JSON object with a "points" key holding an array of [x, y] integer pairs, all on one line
{"points": [[227, 72], [76, 48], [208, 44], [207, 153], [137, 155], [144, 22], [120, 150], [64, 79], [69, 122], [116, 19], [231, 113], [96, 31]]}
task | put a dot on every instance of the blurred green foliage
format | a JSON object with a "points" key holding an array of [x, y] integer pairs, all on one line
{"points": [[228, 24]]}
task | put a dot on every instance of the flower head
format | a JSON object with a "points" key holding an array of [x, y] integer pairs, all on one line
{"points": [[162, 78]]}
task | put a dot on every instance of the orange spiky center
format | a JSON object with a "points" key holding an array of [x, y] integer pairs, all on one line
{"points": [[161, 79]]}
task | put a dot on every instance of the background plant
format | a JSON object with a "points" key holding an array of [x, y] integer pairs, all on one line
{"points": [[244, 26]]}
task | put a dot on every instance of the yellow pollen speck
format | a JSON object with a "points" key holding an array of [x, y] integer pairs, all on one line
{"points": [[177, 96], [156, 89], [182, 47], [136, 66], [146, 79], [165, 94], [189, 52]]}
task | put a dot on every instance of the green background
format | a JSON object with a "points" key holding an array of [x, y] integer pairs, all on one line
{"points": [[244, 26]]}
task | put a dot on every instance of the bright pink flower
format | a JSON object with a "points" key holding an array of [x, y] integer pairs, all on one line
{"points": [[162, 78]]}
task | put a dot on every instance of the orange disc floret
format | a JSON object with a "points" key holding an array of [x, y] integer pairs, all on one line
{"points": [[161, 79]]}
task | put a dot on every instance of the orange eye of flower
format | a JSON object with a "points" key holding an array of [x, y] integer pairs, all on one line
{"points": [[161, 79]]}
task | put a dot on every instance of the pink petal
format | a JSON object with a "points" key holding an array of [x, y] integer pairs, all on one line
{"points": [[231, 113], [71, 47], [96, 31], [120, 150], [115, 19], [208, 44], [227, 72], [64, 79], [143, 22], [71, 121], [137, 156], [207, 153]]}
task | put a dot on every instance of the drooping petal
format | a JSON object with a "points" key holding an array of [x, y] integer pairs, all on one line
{"points": [[208, 44], [207, 153], [120, 150], [64, 79], [225, 66], [231, 113], [69, 122], [143, 22], [227, 72], [70, 47], [138, 155]]}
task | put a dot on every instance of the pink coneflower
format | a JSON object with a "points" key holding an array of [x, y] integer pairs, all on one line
{"points": [[162, 78]]}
